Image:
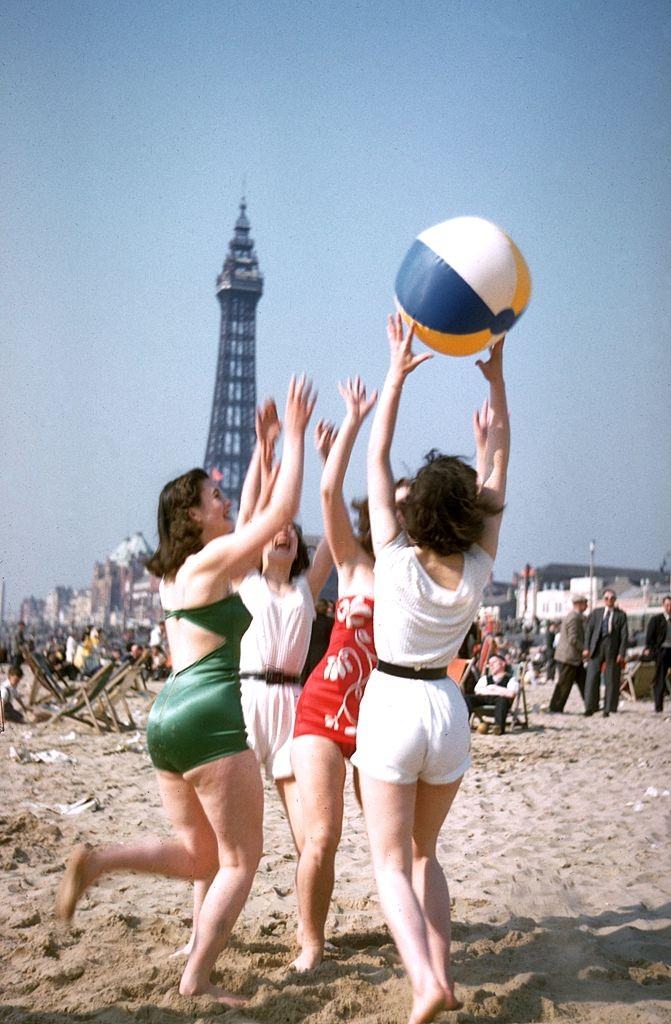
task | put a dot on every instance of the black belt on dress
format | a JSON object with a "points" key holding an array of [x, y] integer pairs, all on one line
{"points": [[272, 676], [407, 672]]}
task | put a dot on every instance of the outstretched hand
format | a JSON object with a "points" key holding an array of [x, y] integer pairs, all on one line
{"points": [[300, 405], [353, 393], [402, 361], [268, 426], [492, 368], [482, 420], [325, 435]]}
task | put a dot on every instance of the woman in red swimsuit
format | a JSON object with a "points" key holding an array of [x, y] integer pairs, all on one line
{"points": [[328, 708]]}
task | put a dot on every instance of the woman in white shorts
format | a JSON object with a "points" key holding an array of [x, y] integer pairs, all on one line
{"points": [[413, 737]]}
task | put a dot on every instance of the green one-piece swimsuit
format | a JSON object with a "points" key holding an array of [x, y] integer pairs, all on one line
{"points": [[197, 716]]}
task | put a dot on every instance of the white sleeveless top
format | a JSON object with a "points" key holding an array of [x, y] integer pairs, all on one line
{"points": [[279, 635], [417, 622]]}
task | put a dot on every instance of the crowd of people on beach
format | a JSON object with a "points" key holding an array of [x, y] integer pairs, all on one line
{"points": [[259, 676]]}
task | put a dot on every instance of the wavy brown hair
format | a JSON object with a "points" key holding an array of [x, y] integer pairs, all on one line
{"points": [[178, 535], [444, 510], [362, 533]]}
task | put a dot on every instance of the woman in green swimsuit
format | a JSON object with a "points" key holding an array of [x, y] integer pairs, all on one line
{"points": [[209, 781]]}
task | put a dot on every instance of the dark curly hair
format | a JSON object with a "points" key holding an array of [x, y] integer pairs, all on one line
{"points": [[444, 510], [178, 535], [301, 562], [363, 534]]}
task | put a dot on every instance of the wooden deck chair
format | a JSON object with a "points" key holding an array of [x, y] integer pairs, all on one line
{"points": [[519, 712], [115, 693], [43, 677], [88, 693], [139, 673], [518, 715], [637, 679]]}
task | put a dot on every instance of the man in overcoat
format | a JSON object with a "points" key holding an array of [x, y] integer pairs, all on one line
{"points": [[568, 654]]}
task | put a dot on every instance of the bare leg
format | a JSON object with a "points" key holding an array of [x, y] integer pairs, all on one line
{"points": [[200, 887], [231, 794], [390, 813], [320, 771], [428, 880], [357, 786], [192, 855], [290, 797]]}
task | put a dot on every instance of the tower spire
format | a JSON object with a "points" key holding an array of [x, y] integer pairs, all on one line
{"points": [[239, 287]]}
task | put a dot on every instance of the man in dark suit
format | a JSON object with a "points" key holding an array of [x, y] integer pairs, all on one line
{"points": [[606, 635], [658, 644]]}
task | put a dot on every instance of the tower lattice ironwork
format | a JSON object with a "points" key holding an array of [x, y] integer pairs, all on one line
{"points": [[231, 438]]}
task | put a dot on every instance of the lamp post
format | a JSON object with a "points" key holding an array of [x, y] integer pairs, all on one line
{"points": [[592, 546]]}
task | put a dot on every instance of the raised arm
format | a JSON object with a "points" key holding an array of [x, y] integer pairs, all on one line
{"points": [[495, 460], [267, 431], [234, 554], [481, 421], [337, 525], [320, 566], [381, 504]]}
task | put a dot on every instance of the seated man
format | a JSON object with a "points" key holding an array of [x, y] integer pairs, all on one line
{"points": [[496, 687], [12, 705]]}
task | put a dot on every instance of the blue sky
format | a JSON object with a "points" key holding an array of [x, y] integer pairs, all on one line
{"points": [[127, 133]]}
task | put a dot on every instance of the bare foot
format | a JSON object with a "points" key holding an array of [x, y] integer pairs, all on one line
{"points": [[427, 1006], [183, 951], [74, 883], [451, 1001], [309, 958], [328, 946], [219, 995]]}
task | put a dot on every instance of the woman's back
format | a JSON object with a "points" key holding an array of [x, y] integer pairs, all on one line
{"points": [[192, 637], [418, 621]]}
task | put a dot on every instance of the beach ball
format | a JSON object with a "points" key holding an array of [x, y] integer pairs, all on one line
{"points": [[464, 283]]}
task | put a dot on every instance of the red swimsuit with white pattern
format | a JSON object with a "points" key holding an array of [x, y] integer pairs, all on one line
{"points": [[329, 703]]}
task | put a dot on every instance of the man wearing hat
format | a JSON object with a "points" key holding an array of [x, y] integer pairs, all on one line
{"points": [[568, 654]]}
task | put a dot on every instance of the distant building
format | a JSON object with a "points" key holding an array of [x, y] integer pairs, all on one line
{"points": [[114, 581], [544, 592], [57, 606], [32, 611], [499, 603], [79, 611]]}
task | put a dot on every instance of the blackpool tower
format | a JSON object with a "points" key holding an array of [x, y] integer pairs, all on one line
{"points": [[231, 438]]}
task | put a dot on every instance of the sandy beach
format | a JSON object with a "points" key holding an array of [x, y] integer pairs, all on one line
{"points": [[557, 852]]}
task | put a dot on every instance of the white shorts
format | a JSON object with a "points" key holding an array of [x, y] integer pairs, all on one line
{"points": [[270, 715], [412, 729]]}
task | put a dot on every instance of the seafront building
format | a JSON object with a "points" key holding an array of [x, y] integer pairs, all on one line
{"points": [[544, 592], [123, 593]]}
